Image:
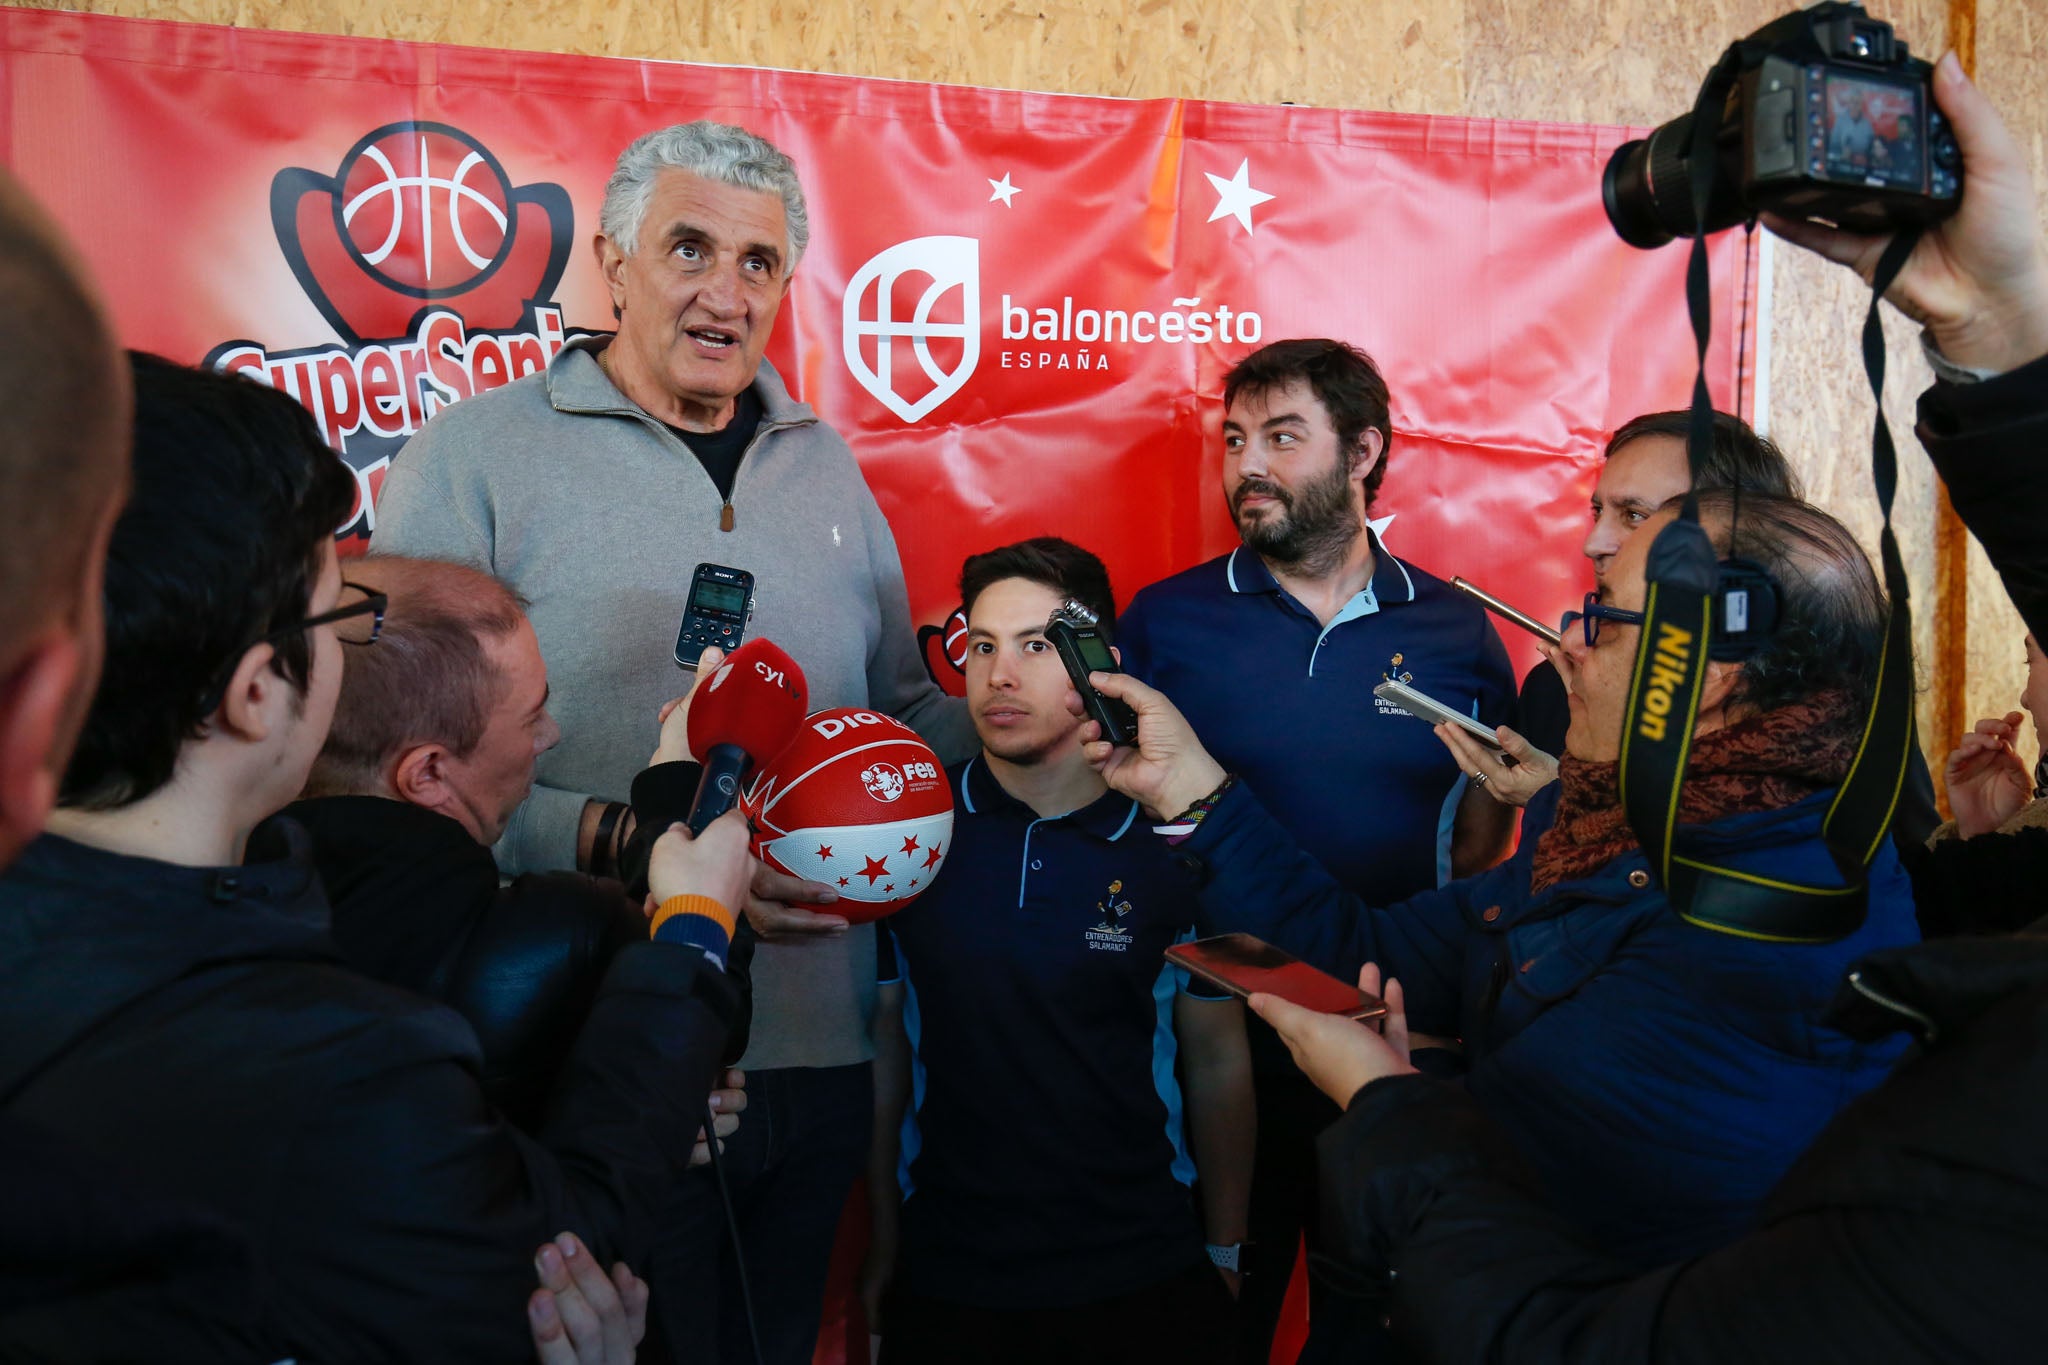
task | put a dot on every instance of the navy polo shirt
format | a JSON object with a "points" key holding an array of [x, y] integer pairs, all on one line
{"points": [[1286, 703], [1043, 1163]]}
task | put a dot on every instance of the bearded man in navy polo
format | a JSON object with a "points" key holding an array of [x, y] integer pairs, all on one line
{"points": [[1272, 651], [1047, 1086]]}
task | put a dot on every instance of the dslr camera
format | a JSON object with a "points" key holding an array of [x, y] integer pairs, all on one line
{"points": [[1822, 115]]}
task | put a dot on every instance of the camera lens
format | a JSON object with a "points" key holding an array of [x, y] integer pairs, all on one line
{"points": [[1644, 187]]}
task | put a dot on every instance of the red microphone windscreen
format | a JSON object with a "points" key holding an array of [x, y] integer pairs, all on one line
{"points": [[756, 699]]}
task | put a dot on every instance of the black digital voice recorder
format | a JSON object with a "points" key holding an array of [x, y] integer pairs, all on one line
{"points": [[1076, 633], [721, 603]]}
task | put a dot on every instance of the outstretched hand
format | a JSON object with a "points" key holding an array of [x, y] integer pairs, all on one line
{"points": [[776, 905], [1977, 281], [1988, 783], [1167, 770], [1511, 784], [1341, 1056], [580, 1315], [716, 863], [674, 717]]}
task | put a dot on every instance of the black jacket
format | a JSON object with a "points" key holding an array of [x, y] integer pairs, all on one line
{"points": [[193, 1030], [416, 903], [1992, 884], [93, 1269], [1915, 1228]]}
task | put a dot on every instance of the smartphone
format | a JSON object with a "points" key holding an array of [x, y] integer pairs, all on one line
{"points": [[1075, 634], [1243, 965], [1422, 706], [721, 603], [1514, 615]]}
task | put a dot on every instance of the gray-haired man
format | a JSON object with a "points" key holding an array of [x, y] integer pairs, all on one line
{"points": [[595, 489]]}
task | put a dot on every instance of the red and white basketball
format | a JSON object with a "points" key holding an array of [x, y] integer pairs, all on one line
{"points": [[857, 801]]}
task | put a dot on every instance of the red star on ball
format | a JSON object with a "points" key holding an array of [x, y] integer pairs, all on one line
{"points": [[890, 887], [910, 844], [876, 869], [842, 881], [913, 883], [824, 850], [931, 859]]}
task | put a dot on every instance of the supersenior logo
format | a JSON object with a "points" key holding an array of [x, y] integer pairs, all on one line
{"points": [[437, 273], [926, 292]]}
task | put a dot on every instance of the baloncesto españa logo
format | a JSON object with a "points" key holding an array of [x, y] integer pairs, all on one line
{"points": [[911, 326], [436, 271]]}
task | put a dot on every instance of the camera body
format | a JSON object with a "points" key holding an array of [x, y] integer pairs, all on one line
{"points": [[1827, 116]]}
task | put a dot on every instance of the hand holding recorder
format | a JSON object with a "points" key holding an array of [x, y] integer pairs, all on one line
{"points": [[1167, 770]]}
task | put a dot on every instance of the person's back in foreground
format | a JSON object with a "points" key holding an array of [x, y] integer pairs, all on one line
{"points": [[185, 1020]]}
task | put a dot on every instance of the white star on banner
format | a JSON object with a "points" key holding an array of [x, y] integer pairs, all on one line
{"points": [[1002, 189], [1235, 197]]}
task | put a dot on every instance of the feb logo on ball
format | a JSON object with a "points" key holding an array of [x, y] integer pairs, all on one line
{"points": [[857, 801]]}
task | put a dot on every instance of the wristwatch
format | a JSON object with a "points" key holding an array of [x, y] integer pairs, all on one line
{"points": [[1225, 1258]]}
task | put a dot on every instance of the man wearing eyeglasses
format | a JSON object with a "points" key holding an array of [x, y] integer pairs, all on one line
{"points": [[1657, 1077], [1646, 466], [182, 1016]]}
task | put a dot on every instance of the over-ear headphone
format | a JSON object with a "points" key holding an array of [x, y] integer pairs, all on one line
{"points": [[1745, 610]]}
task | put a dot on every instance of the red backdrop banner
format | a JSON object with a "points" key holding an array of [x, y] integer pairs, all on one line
{"points": [[1018, 308]]}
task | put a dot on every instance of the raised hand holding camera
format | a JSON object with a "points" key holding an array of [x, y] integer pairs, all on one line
{"points": [[1979, 281]]}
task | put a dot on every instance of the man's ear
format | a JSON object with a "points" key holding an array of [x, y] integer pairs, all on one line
{"points": [[247, 708], [420, 776], [1718, 687], [611, 263], [35, 698], [1371, 446]]}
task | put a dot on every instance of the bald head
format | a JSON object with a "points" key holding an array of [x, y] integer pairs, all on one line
{"points": [[64, 435]]}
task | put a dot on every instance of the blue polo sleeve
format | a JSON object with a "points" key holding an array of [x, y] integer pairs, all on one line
{"points": [[1261, 882]]}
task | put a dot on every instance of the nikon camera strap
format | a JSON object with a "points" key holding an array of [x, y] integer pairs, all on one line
{"points": [[1686, 590]]}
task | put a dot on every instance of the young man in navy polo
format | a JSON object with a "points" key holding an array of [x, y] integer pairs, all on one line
{"points": [[1042, 1047], [1272, 651]]}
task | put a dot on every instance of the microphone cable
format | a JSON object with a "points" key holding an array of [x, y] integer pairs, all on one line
{"points": [[732, 1227]]}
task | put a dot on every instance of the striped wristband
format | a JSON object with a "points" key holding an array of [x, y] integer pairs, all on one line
{"points": [[701, 920]]}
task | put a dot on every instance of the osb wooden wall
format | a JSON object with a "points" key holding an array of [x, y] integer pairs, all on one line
{"points": [[1609, 61]]}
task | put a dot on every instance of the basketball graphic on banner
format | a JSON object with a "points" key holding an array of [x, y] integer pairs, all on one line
{"points": [[857, 801], [425, 206]]}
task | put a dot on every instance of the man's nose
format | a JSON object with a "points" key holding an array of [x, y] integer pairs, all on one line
{"points": [[720, 292], [1601, 543]]}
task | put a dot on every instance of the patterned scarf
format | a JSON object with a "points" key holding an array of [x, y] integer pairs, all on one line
{"points": [[1763, 762]]}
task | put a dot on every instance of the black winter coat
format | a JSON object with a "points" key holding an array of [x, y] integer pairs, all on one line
{"points": [[1915, 1229], [194, 1031]]}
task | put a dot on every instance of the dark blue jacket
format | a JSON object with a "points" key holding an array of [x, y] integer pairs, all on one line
{"points": [[1658, 1077]]}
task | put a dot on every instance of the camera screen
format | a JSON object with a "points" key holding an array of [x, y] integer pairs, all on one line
{"points": [[1873, 132], [726, 597]]}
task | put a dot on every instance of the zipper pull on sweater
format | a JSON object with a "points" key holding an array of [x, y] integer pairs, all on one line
{"points": [[725, 516]]}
